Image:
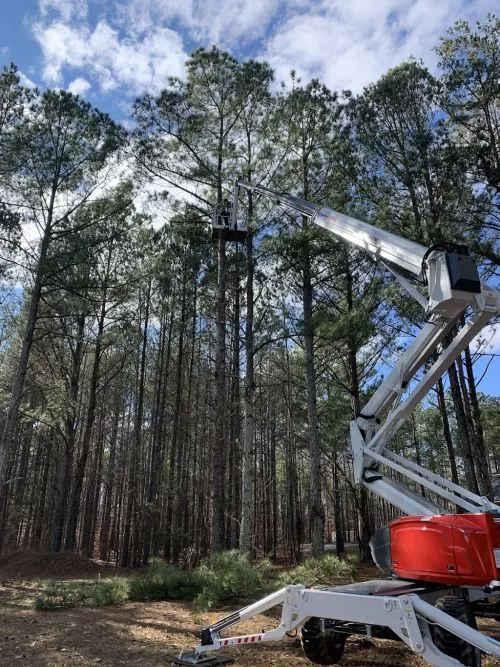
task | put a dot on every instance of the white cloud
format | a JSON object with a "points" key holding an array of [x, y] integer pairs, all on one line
{"points": [[79, 86], [133, 44], [228, 23], [137, 65], [136, 44], [231, 23], [350, 44], [25, 80], [66, 9]]}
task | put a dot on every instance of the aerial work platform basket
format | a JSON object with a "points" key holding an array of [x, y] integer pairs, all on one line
{"points": [[225, 224]]}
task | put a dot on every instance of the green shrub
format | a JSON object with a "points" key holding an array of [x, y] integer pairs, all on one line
{"points": [[110, 591], [165, 582], [63, 595], [59, 595], [226, 578], [230, 576], [322, 571]]}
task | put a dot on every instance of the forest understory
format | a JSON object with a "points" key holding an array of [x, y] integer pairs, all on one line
{"points": [[147, 634]]}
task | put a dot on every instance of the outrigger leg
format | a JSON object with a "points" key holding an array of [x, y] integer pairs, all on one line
{"points": [[392, 604], [193, 658]]}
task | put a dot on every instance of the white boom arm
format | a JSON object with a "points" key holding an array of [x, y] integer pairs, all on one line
{"points": [[383, 245], [453, 286]]}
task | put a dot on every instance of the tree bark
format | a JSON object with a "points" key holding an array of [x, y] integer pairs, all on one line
{"points": [[63, 482], [131, 553], [109, 483], [74, 509], [481, 458], [172, 538], [463, 444]]}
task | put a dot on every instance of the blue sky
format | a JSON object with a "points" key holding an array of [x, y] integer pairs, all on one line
{"points": [[112, 51]]}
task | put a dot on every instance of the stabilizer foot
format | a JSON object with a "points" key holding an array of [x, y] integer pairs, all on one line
{"points": [[194, 658]]}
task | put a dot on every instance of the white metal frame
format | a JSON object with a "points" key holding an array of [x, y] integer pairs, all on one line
{"points": [[407, 615]]}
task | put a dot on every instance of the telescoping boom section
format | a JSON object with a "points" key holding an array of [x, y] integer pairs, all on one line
{"points": [[444, 569]]}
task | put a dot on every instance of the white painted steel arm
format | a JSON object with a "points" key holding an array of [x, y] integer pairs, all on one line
{"points": [[398, 416], [369, 445], [406, 254], [432, 614], [418, 353], [408, 616]]}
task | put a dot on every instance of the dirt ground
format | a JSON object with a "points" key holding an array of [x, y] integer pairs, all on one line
{"points": [[146, 634], [29, 565]]}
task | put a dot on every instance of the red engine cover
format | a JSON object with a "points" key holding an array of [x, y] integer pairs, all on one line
{"points": [[451, 549]]}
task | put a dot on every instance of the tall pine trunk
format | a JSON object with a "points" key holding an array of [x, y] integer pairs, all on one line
{"points": [[81, 464], [317, 512], [8, 441], [172, 539], [131, 551], [63, 482], [219, 439], [481, 458], [248, 472], [463, 440]]}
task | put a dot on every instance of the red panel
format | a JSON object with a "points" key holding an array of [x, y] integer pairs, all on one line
{"points": [[422, 549], [452, 549]]}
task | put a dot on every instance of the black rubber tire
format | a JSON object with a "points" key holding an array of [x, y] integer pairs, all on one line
{"points": [[322, 647], [496, 612], [449, 643]]}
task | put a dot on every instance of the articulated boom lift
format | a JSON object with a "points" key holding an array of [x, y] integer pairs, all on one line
{"points": [[445, 568]]}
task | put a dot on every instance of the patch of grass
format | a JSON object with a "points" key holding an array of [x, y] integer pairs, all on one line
{"points": [[19, 593], [322, 571], [63, 595]]}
